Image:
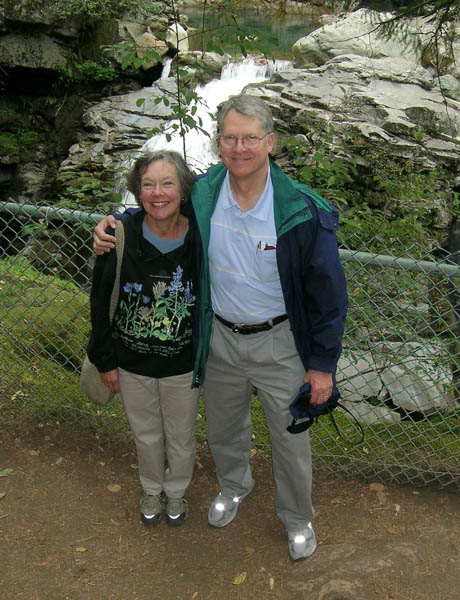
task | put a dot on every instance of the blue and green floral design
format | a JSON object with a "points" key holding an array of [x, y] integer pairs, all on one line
{"points": [[160, 315]]}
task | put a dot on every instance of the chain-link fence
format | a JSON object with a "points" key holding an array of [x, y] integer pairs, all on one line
{"points": [[399, 374]]}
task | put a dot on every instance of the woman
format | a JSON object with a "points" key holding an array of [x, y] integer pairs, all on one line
{"points": [[146, 355]]}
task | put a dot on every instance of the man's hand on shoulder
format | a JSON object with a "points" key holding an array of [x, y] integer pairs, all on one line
{"points": [[102, 241]]}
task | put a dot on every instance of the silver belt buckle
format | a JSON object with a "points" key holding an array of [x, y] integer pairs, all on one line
{"points": [[236, 327]]}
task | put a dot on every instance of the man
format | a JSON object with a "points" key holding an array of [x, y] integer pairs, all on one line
{"points": [[272, 311]]}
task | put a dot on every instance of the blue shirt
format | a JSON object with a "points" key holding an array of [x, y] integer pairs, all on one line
{"points": [[162, 244], [245, 283]]}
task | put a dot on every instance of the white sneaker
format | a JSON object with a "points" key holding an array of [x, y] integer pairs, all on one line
{"points": [[301, 543], [223, 510]]}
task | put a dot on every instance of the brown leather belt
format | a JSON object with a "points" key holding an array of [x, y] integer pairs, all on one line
{"points": [[244, 329]]}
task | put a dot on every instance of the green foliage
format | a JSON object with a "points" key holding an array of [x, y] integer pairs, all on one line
{"points": [[388, 205], [91, 10], [82, 189], [45, 326], [329, 169], [362, 227], [95, 10], [19, 145], [72, 71], [42, 326], [131, 57]]}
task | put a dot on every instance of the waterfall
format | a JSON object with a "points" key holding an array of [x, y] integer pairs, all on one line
{"points": [[199, 147]]}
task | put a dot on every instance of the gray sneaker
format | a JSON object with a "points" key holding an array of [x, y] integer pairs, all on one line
{"points": [[223, 510], [301, 543], [151, 509], [176, 511]]}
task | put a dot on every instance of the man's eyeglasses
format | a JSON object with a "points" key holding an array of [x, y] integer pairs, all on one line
{"points": [[250, 142]]}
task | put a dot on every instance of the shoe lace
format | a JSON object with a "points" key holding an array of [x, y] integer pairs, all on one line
{"points": [[151, 504], [175, 506]]}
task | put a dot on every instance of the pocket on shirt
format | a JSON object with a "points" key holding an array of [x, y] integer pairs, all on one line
{"points": [[266, 266]]}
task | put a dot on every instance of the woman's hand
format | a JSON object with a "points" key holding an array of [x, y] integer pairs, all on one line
{"points": [[110, 378]]}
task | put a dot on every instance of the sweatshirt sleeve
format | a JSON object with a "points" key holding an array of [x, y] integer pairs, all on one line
{"points": [[101, 348]]}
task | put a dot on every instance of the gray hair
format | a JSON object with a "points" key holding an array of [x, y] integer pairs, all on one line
{"points": [[134, 176], [251, 106]]}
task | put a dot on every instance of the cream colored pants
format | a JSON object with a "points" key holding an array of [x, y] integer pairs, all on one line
{"points": [[162, 415]]}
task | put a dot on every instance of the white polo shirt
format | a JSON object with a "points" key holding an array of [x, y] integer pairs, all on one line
{"points": [[245, 284]]}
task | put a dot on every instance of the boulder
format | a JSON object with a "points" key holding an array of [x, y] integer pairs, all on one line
{"points": [[33, 52], [177, 38], [117, 126], [384, 100], [396, 381], [33, 37], [359, 33]]}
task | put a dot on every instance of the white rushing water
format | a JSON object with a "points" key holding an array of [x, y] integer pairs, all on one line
{"points": [[234, 77], [199, 148]]}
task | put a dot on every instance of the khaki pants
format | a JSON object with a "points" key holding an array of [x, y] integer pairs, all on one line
{"points": [[162, 413], [269, 362]]}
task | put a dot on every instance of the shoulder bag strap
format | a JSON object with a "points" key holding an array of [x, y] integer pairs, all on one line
{"points": [[119, 247]]}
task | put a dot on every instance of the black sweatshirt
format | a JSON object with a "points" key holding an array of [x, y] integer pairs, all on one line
{"points": [[151, 333]]}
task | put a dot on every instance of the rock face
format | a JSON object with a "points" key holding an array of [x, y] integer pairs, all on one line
{"points": [[116, 127], [358, 33], [31, 36], [38, 51], [387, 99], [380, 100], [374, 92]]}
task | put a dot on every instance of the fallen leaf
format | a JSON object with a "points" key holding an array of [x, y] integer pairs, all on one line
{"points": [[114, 487], [59, 461], [5, 472], [33, 452], [377, 487], [380, 492], [272, 583], [195, 595], [2, 495], [80, 549], [240, 578], [395, 530]]}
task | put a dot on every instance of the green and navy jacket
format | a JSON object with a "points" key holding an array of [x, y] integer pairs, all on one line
{"points": [[311, 274]]}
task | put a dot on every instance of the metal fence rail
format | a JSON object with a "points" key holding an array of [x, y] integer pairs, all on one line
{"points": [[399, 373]]}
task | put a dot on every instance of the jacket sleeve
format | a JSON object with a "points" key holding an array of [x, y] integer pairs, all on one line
{"points": [[325, 293], [100, 348], [128, 212]]}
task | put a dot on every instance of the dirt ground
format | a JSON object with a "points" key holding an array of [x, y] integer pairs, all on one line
{"points": [[70, 530]]}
